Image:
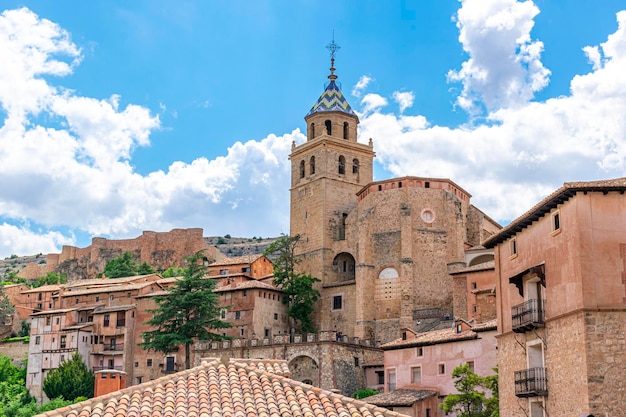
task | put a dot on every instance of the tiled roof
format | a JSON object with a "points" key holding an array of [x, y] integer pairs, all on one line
{"points": [[110, 281], [441, 336], [43, 288], [567, 191], [272, 366], [222, 388], [400, 397], [51, 312], [115, 287], [237, 260], [246, 285], [332, 99], [111, 309]]}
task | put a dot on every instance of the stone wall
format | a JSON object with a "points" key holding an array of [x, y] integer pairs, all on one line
{"points": [[316, 358]]}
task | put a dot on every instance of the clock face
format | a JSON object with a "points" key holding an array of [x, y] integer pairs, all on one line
{"points": [[428, 216]]}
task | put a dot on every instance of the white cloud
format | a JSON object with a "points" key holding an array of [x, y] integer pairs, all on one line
{"points": [[525, 151], [404, 99], [372, 102], [361, 85], [77, 172], [504, 67], [22, 240]]}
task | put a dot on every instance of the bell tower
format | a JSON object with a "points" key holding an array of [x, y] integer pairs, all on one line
{"points": [[327, 171]]}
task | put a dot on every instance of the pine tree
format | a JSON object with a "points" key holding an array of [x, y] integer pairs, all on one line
{"points": [[189, 311], [72, 379]]}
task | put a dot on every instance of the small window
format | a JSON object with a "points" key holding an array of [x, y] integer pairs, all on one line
{"points": [[473, 285], [312, 165], [149, 362], [223, 314], [342, 165], [337, 302], [419, 351], [37, 340], [329, 127], [301, 169], [267, 333], [77, 299], [345, 130], [427, 184], [356, 361], [97, 298], [380, 377], [237, 315], [104, 375], [403, 335], [245, 293], [223, 271], [556, 221], [442, 368], [63, 341], [136, 364], [416, 375], [107, 318], [380, 188], [312, 131], [355, 166], [58, 320], [275, 316], [470, 365], [513, 247], [139, 379]]}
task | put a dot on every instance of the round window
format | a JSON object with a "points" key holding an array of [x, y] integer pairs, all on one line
{"points": [[428, 216]]}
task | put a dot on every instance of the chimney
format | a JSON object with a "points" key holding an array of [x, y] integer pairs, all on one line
{"points": [[108, 380]]}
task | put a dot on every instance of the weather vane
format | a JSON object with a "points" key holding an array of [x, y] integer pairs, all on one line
{"points": [[333, 48]]}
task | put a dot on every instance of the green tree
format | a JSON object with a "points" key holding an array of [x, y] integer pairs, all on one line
{"points": [[50, 278], [145, 269], [190, 310], [6, 307], [471, 400], [13, 393], [173, 271], [25, 329], [72, 379], [299, 294], [122, 266]]}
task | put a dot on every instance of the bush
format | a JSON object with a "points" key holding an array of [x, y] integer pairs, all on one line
{"points": [[362, 393]]}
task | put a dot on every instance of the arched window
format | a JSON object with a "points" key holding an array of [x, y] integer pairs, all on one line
{"points": [[329, 127], [312, 165], [312, 131], [388, 273], [345, 130], [355, 166], [342, 165], [301, 169]]}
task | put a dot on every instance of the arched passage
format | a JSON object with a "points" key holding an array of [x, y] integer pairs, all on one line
{"points": [[343, 265], [305, 368]]}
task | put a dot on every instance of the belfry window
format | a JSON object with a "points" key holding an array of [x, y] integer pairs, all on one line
{"points": [[345, 130], [355, 166], [329, 127], [342, 164], [312, 131], [312, 165], [301, 169]]}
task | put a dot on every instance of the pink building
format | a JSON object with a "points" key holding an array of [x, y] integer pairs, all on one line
{"points": [[561, 306]]}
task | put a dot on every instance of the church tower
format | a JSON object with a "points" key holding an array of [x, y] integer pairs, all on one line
{"points": [[327, 171]]}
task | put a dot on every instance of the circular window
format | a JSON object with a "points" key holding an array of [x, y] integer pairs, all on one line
{"points": [[428, 216]]}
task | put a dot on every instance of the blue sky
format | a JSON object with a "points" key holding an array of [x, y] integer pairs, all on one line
{"points": [[118, 117]]}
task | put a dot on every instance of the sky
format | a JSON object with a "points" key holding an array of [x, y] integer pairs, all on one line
{"points": [[118, 117]]}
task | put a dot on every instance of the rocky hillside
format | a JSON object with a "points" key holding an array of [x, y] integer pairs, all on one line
{"points": [[229, 246]]}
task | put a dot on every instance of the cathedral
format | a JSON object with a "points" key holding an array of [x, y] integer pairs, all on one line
{"points": [[383, 250]]}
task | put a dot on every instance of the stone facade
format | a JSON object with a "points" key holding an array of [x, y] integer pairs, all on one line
{"points": [[381, 249], [317, 359], [562, 304]]}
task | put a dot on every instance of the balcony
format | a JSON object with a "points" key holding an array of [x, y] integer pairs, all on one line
{"points": [[115, 347], [528, 315], [531, 383]]}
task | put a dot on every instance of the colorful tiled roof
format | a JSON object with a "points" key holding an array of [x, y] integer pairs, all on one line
{"points": [[222, 388], [332, 99]]}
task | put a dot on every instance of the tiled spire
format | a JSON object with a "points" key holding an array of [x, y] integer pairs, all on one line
{"points": [[332, 98]]}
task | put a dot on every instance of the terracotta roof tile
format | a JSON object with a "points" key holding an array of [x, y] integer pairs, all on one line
{"points": [[222, 388], [236, 260], [400, 397]]}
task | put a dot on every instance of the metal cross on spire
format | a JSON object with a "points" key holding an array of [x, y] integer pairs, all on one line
{"points": [[333, 47]]}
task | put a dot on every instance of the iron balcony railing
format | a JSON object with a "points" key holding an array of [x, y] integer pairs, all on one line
{"points": [[531, 382], [528, 315], [117, 346]]}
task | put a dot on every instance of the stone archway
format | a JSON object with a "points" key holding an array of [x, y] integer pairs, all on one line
{"points": [[343, 266], [305, 369]]}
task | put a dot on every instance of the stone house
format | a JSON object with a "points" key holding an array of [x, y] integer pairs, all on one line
{"points": [[561, 307], [382, 249], [254, 266]]}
